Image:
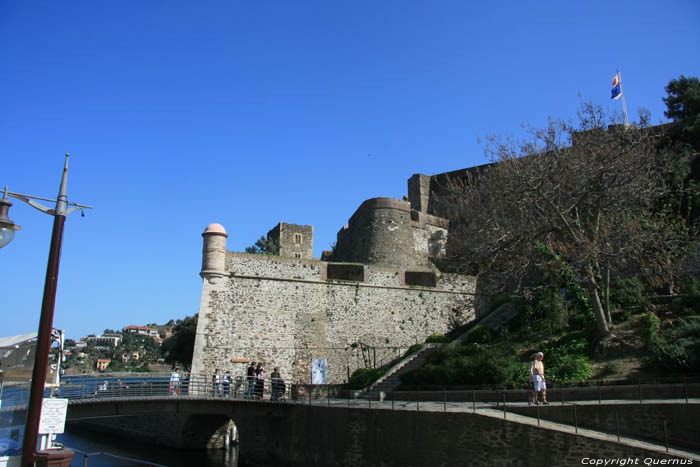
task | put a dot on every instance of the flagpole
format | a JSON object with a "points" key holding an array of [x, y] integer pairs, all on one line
{"points": [[624, 103]]}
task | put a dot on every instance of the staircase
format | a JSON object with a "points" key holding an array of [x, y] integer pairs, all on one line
{"points": [[391, 379]]}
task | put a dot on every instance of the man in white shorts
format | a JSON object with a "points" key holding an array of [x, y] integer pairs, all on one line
{"points": [[537, 377]]}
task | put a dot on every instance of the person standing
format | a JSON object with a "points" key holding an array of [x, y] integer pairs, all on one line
{"points": [[216, 382], [539, 384], [175, 382], [227, 383], [259, 381], [276, 384], [250, 377]]}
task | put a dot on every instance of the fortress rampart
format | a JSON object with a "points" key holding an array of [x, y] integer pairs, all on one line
{"points": [[287, 311], [387, 231], [380, 290]]}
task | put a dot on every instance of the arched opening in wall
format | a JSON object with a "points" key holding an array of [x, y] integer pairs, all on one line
{"points": [[209, 431]]}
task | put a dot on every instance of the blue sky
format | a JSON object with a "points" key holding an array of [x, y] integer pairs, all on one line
{"points": [[179, 114]]}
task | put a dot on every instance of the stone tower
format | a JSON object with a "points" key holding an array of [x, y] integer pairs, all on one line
{"points": [[295, 241], [214, 252]]}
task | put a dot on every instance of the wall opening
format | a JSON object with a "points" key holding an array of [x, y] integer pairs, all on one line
{"points": [[346, 272], [424, 278]]}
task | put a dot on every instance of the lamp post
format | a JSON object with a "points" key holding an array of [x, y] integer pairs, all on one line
{"points": [[41, 359]]}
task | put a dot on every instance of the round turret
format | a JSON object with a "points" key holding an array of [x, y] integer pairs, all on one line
{"points": [[214, 251]]}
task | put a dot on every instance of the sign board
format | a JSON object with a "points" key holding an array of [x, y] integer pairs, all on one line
{"points": [[240, 360], [319, 367], [53, 416]]}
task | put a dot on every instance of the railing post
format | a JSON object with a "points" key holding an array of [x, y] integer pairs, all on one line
{"points": [[617, 426], [599, 396], [575, 420], [665, 436], [685, 388], [538, 414], [561, 391], [473, 400], [504, 405], [444, 400], [639, 385]]}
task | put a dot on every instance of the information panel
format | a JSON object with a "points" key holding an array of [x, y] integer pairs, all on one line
{"points": [[53, 416]]}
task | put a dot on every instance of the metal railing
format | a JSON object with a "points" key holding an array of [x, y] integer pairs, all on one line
{"points": [[129, 387], [120, 459]]}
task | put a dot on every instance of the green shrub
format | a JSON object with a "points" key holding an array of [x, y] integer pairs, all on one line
{"points": [[363, 377], [629, 293], [692, 292], [413, 349], [485, 368], [571, 367], [437, 339], [567, 358], [427, 375], [668, 357], [688, 329], [481, 334], [649, 327], [466, 350]]}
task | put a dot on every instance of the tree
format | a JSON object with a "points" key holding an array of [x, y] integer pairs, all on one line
{"points": [[264, 246], [683, 104], [683, 107], [179, 347], [569, 201]]}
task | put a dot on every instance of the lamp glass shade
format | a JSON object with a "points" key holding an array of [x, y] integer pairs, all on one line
{"points": [[6, 235]]}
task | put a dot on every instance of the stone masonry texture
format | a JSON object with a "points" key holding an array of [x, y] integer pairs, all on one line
{"points": [[285, 312]]}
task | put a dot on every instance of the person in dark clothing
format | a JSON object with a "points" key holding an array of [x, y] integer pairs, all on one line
{"points": [[276, 384], [250, 378], [259, 381]]}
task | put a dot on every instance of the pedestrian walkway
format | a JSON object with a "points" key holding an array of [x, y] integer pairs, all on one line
{"points": [[497, 411]]}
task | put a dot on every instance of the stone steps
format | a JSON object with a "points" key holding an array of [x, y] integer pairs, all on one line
{"points": [[391, 379]]}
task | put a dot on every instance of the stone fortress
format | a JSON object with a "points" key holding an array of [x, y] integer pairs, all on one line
{"points": [[378, 292]]}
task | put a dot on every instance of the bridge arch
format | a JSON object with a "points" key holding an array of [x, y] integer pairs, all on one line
{"points": [[206, 431]]}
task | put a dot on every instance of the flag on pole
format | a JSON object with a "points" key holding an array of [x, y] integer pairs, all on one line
{"points": [[617, 87]]}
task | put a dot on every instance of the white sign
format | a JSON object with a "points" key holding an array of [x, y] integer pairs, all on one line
{"points": [[53, 416], [319, 367]]}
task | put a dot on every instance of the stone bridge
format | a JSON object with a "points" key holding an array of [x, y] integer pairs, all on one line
{"points": [[441, 428], [361, 432]]}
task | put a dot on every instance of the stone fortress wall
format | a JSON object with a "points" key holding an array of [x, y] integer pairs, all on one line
{"points": [[379, 289], [286, 311]]}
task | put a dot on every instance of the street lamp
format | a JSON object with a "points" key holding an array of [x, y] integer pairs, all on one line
{"points": [[41, 359], [7, 227]]}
